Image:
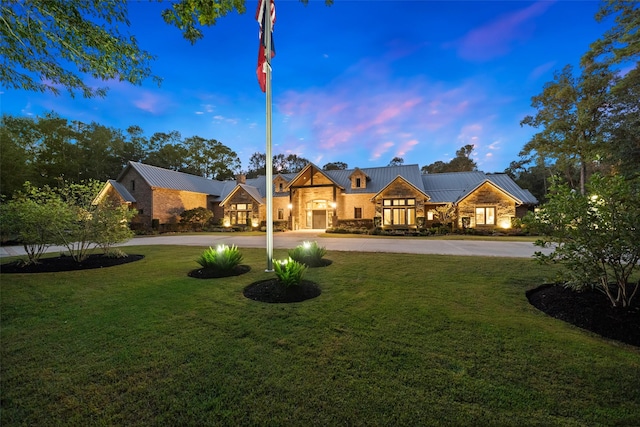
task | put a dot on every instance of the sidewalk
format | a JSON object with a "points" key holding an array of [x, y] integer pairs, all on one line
{"points": [[291, 239]]}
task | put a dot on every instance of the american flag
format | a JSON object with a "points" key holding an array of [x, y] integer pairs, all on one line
{"points": [[261, 70]]}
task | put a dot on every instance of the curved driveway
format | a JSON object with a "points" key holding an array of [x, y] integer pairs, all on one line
{"points": [[291, 239]]}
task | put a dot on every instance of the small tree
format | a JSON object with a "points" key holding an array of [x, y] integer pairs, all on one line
{"points": [[446, 214], [595, 235], [34, 217], [111, 224]]}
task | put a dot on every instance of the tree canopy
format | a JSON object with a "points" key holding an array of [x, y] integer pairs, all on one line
{"points": [[42, 42], [462, 162], [43, 149], [49, 46]]}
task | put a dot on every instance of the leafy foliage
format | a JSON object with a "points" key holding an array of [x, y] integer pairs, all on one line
{"points": [[222, 258], [334, 166], [40, 39], [308, 253], [43, 149], [595, 236], [190, 15], [34, 217], [289, 271], [197, 215], [461, 163], [290, 163]]}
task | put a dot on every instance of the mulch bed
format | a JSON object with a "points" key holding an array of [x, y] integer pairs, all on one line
{"points": [[272, 291], [67, 263], [212, 273], [322, 263], [590, 310]]}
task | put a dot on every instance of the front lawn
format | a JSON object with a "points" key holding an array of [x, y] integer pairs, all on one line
{"points": [[394, 339]]}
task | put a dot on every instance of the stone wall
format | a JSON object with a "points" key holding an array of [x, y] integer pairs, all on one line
{"points": [[487, 196]]}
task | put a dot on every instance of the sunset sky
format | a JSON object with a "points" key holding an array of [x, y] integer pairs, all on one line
{"points": [[359, 82]]}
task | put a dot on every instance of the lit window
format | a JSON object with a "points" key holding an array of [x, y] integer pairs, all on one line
{"points": [[240, 213], [399, 212], [429, 215], [485, 216]]}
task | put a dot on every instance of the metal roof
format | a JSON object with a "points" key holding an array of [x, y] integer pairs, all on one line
{"points": [[378, 178], [165, 178], [453, 186], [440, 187], [122, 190]]}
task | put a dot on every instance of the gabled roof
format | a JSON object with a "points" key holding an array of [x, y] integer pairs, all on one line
{"points": [[323, 172], [452, 187], [251, 191], [505, 182], [378, 178], [358, 170], [165, 178], [119, 188], [399, 177]]}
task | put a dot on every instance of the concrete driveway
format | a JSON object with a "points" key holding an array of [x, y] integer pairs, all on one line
{"points": [[289, 240]]}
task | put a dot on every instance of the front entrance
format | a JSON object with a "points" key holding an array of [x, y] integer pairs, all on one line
{"points": [[316, 214], [319, 219]]}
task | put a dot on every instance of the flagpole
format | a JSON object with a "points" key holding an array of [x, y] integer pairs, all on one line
{"points": [[269, 156]]}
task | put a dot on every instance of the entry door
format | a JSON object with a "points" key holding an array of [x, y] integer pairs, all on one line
{"points": [[320, 219]]}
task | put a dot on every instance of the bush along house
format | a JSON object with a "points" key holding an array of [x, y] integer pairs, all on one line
{"points": [[391, 198]]}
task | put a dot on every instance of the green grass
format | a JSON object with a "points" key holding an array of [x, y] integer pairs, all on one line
{"points": [[392, 340]]}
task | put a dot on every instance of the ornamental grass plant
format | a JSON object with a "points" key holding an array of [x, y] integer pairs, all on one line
{"points": [[222, 258], [308, 253], [289, 271]]}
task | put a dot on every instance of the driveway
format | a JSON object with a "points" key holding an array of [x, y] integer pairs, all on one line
{"points": [[290, 239]]}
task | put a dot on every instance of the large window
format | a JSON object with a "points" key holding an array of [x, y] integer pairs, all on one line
{"points": [[485, 216], [240, 213], [399, 211]]}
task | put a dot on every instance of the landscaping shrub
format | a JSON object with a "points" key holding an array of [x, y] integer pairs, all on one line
{"points": [[308, 253], [222, 258], [289, 271]]}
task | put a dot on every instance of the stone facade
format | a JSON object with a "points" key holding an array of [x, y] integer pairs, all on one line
{"points": [[486, 196], [316, 199]]}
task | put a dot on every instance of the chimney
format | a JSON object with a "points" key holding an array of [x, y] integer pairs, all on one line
{"points": [[241, 178]]}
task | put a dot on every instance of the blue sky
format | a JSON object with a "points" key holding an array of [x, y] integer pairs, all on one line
{"points": [[359, 82]]}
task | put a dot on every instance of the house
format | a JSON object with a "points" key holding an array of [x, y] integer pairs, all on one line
{"points": [[390, 197]]}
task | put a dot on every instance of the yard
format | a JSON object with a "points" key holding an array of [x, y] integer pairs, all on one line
{"points": [[394, 339]]}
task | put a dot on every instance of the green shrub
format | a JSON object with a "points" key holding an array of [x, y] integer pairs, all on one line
{"points": [[308, 253], [289, 271], [222, 258]]}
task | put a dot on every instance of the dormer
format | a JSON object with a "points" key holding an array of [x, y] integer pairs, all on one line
{"points": [[280, 184], [358, 179]]}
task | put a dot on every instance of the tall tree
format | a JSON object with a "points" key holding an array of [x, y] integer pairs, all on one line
{"points": [[462, 162], [210, 158], [569, 114], [334, 166], [620, 47], [396, 161], [18, 142]]}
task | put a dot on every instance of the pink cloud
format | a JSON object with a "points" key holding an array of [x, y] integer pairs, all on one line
{"points": [[496, 38], [150, 102], [369, 117]]}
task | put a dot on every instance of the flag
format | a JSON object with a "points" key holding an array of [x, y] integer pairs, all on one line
{"points": [[261, 71]]}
